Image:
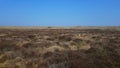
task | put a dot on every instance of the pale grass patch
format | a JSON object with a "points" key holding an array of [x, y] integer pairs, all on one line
{"points": [[3, 35], [85, 47], [73, 47], [54, 48]]}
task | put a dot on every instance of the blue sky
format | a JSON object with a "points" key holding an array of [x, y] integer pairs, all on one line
{"points": [[59, 12]]}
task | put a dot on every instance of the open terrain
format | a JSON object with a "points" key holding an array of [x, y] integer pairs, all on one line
{"points": [[73, 47]]}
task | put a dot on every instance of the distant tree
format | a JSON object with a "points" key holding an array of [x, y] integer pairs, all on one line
{"points": [[49, 27]]}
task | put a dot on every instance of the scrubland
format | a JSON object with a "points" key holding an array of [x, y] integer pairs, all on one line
{"points": [[59, 48]]}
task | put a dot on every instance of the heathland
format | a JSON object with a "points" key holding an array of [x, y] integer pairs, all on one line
{"points": [[60, 47]]}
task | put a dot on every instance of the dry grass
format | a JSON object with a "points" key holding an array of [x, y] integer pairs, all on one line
{"points": [[54, 49], [48, 48]]}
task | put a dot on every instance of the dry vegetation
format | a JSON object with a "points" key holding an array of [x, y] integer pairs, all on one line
{"points": [[59, 48]]}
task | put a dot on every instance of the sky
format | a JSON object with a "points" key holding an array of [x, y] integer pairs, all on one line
{"points": [[59, 12]]}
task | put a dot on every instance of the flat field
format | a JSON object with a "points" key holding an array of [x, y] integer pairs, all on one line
{"points": [[59, 48]]}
